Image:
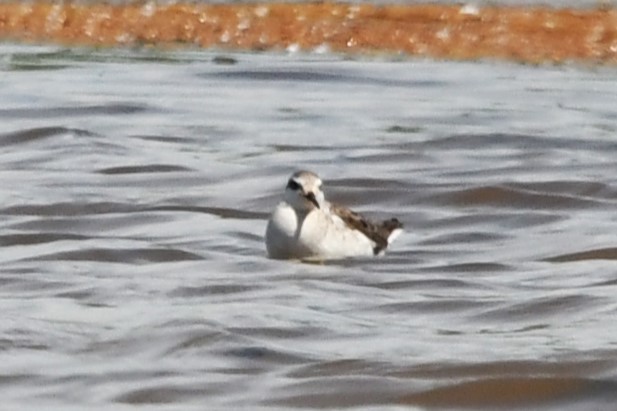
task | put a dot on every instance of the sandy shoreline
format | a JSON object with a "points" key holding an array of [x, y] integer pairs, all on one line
{"points": [[524, 34]]}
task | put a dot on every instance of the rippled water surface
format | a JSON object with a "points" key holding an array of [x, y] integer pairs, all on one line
{"points": [[135, 189]]}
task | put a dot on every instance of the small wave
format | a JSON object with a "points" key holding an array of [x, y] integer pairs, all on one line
{"points": [[440, 283], [512, 392], [320, 76], [512, 197], [336, 393], [457, 306], [149, 168], [9, 240], [520, 142], [264, 354], [217, 211], [541, 308], [211, 289], [128, 256], [163, 394], [36, 134], [464, 238], [69, 209], [51, 112], [597, 254]]}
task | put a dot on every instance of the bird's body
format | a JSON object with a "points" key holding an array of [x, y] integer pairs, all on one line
{"points": [[305, 226]]}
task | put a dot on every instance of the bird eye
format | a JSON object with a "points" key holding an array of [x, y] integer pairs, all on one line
{"points": [[292, 185]]}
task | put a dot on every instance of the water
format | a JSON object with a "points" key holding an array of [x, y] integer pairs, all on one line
{"points": [[135, 188]]}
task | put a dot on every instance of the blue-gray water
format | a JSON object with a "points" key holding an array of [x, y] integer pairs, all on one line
{"points": [[135, 188]]}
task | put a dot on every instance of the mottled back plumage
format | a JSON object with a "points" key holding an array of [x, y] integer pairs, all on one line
{"points": [[378, 232]]}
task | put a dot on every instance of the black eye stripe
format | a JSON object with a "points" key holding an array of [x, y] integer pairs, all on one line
{"points": [[292, 185]]}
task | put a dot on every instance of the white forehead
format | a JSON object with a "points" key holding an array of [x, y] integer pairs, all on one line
{"points": [[306, 179]]}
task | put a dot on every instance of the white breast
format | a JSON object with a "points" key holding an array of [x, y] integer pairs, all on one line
{"points": [[315, 235], [282, 233]]}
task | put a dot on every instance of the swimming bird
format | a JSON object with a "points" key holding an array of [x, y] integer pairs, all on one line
{"points": [[306, 226]]}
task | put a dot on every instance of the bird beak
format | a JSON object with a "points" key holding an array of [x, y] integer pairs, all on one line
{"points": [[311, 197]]}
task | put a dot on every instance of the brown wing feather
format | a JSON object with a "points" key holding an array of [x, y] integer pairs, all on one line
{"points": [[378, 232]]}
